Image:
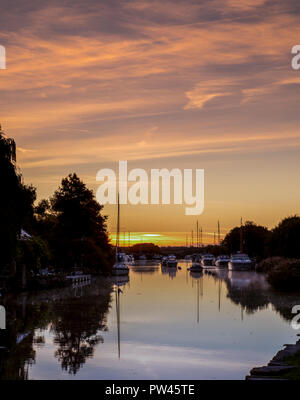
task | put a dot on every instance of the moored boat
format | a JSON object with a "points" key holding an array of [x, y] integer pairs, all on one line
{"points": [[164, 261], [222, 261], [240, 262], [172, 261], [120, 267], [207, 260]]}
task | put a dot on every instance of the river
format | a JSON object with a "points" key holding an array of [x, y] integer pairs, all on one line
{"points": [[159, 323]]}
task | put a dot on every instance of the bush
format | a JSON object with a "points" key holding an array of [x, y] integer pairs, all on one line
{"points": [[285, 275], [269, 264]]}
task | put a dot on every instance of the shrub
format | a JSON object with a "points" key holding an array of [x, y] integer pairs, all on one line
{"points": [[285, 275]]}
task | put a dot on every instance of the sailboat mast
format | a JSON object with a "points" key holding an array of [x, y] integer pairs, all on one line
{"points": [[118, 229], [241, 236]]}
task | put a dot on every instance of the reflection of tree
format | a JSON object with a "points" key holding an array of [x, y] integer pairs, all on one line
{"points": [[17, 340], [76, 334], [249, 298], [76, 323], [253, 293], [76, 328], [15, 361]]}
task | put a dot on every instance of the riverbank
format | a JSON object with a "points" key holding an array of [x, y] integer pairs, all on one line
{"points": [[282, 273], [42, 282], [285, 365]]}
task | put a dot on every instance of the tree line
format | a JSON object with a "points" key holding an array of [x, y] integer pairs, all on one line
{"points": [[258, 241], [67, 230]]}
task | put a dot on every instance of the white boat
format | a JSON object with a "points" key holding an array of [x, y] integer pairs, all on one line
{"points": [[222, 261], [130, 258], [120, 267], [164, 261], [207, 260], [172, 261], [240, 262]]}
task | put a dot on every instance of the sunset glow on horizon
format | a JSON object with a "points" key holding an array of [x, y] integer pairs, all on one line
{"points": [[128, 239]]}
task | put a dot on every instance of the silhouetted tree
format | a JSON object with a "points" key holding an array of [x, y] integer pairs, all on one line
{"points": [[148, 248], [255, 239], [80, 232], [16, 200], [285, 240]]}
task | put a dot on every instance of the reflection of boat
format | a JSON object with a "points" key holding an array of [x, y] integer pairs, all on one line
{"points": [[164, 261], [120, 280], [172, 261], [198, 277], [144, 268], [196, 274], [120, 267], [169, 271], [246, 279], [240, 262], [222, 261], [196, 268], [118, 291], [207, 260]]}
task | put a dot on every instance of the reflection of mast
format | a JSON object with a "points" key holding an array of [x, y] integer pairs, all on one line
{"points": [[118, 320], [118, 229], [202, 286], [219, 294], [198, 301], [241, 236]]}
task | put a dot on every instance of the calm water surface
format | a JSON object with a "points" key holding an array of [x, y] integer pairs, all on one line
{"points": [[158, 324]]}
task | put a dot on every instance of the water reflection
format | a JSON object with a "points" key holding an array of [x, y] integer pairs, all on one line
{"points": [[170, 271], [73, 321], [220, 324], [119, 282], [198, 277]]}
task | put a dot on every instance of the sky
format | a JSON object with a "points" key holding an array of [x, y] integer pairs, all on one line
{"points": [[202, 84]]}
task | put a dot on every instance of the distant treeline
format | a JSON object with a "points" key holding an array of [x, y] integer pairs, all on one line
{"points": [[66, 231], [257, 241], [260, 242]]}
